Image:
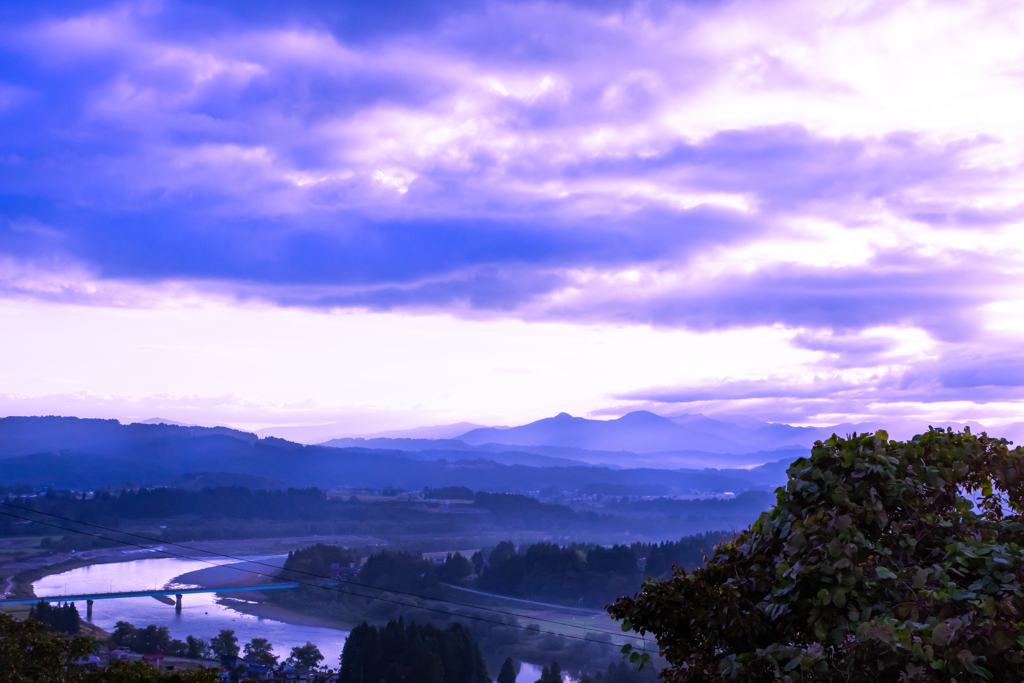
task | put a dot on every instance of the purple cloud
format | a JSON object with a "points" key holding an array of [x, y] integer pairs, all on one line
{"points": [[518, 159]]}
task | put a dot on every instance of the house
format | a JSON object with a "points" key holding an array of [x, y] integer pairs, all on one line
{"points": [[177, 664], [90, 662], [260, 672], [155, 660], [344, 571]]}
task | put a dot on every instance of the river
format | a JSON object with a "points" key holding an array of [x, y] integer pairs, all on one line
{"points": [[202, 615]]}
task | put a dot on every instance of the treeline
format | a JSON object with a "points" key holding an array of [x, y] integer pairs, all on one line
{"points": [[748, 502], [224, 501], [583, 574], [397, 653], [575, 574], [448, 493], [234, 512], [154, 639], [316, 561]]}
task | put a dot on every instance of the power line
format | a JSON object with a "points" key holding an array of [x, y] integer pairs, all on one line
{"points": [[306, 583], [338, 590]]}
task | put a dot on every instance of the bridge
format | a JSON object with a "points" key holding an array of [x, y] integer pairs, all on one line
{"points": [[176, 592]]}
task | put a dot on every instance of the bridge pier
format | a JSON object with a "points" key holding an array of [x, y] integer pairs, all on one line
{"points": [[177, 603], [88, 610]]}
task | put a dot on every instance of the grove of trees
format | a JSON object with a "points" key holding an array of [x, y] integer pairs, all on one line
{"points": [[415, 653], [59, 618]]}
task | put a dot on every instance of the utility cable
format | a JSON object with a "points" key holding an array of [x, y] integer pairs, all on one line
{"points": [[298, 571], [306, 583]]}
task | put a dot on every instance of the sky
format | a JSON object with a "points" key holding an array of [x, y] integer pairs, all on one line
{"points": [[388, 214]]}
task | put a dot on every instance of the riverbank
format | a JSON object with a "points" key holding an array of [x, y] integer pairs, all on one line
{"points": [[255, 605], [26, 571]]}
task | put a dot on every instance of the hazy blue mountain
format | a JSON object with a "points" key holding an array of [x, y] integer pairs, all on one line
{"points": [[432, 432], [559, 456], [313, 434], [638, 432], [453, 449], [676, 440], [74, 453], [162, 421], [31, 435]]}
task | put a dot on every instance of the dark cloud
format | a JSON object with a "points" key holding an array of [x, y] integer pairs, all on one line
{"points": [[403, 155]]}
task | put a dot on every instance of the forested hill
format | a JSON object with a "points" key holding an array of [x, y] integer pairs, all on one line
{"points": [[30, 435], [74, 453]]}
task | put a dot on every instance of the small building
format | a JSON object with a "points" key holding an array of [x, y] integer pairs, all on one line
{"points": [[90, 662], [154, 660], [260, 672]]}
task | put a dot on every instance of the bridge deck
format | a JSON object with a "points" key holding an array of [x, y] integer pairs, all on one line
{"points": [[145, 594]]}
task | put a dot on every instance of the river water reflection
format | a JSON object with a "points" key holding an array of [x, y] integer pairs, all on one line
{"points": [[202, 615]]}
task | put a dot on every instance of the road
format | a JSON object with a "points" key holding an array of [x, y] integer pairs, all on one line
{"points": [[9, 588], [529, 602]]}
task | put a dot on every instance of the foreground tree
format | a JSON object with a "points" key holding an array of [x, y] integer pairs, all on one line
{"points": [[28, 653], [873, 566]]}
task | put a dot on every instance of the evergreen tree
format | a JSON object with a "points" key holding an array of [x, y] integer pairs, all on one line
{"points": [[551, 675], [508, 672], [61, 618], [413, 654]]}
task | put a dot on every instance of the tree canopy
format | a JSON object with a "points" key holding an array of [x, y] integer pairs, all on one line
{"points": [[414, 654], [881, 561], [29, 653]]}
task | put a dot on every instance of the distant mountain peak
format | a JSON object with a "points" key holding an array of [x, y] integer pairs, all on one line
{"points": [[162, 421]]}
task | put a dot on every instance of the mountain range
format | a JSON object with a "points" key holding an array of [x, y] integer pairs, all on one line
{"points": [[642, 439], [67, 452], [685, 453]]}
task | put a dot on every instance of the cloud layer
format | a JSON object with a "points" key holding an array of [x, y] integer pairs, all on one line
{"points": [[833, 169]]}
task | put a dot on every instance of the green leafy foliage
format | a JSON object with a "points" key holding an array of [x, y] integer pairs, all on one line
{"points": [[28, 652], [881, 561]]}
